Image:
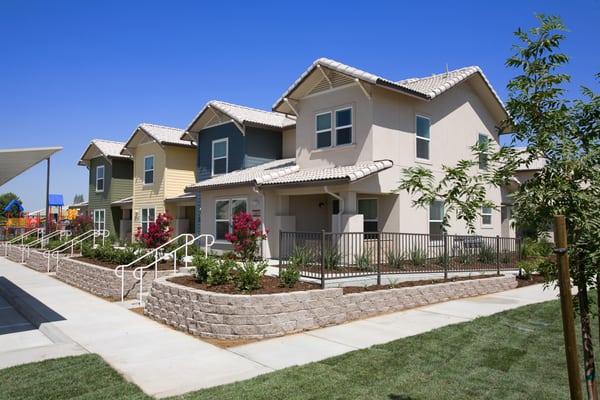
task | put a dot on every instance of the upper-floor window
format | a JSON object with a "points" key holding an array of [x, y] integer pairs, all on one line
{"points": [[423, 137], [100, 178], [436, 216], [220, 152], [483, 157], [148, 170], [343, 128], [486, 216]]}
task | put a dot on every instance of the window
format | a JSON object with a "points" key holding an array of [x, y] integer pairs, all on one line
{"points": [[436, 214], [100, 178], [423, 137], [99, 220], [220, 150], [323, 130], [225, 209], [483, 158], [343, 126], [486, 216], [148, 217], [148, 170], [368, 209]]}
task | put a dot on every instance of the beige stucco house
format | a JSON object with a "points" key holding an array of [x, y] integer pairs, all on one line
{"points": [[163, 165], [355, 132]]}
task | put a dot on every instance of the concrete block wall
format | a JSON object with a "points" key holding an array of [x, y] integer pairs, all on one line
{"points": [[224, 316]]}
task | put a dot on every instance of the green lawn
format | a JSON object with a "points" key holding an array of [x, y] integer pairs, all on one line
{"points": [[517, 354]]}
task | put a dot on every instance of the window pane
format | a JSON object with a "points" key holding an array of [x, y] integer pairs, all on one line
{"points": [[422, 149], [100, 172], [422, 127], [483, 158], [436, 210], [222, 209], [486, 210], [151, 216], [370, 226], [435, 229], [100, 184], [238, 206], [219, 149], [144, 214], [220, 166], [343, 117], [368, 208], [323, 122], [324, 139], [222, 229], [148, 163], [344, 136], [149, 177], [486, 219]]}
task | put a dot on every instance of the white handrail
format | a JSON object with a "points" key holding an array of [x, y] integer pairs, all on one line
{"points": [[93, 234], [42, 241], [22, 237]]}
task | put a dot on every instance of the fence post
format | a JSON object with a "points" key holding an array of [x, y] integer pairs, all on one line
{"points": [[518, 244], [498, 254], [280, 252], [378, 258], [323, 259], [445, 235]]}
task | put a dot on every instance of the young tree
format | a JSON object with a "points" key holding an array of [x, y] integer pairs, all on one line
{"points": [[566, 134], [246, 236], [78, 198], [158, 233]]}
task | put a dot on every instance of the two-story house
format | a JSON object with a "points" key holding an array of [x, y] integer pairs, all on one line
{"points": [[231, 137], [355, 132], [110, 179], [163, 165]]}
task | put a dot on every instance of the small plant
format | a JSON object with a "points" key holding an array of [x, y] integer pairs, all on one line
{"points": [[124, 256], [203, 265], [363, 260], [533, 248], [289, 276], [247, 235], [394, 259], [249, 275], [417, 257], [487, 254], [220, 273], [464, 257], [528, 267], [331, 258], [301, 257]]}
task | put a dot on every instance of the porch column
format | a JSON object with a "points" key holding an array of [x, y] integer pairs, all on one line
{"points": [[350, 202]]}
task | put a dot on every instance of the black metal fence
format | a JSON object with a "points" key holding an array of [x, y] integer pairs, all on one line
{"points": [[331, 255]]}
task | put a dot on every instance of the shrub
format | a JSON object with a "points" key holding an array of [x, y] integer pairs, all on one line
{"points": [[203, 266], [220, 273], [158, 233], [301, 256], [81, 224], [249, 275], [541, 265], [331, 258], [289, 276], [487, 254], [246, 236], [363, 260], [394, 259], [417, 257], [532, 248], [124, 256]]}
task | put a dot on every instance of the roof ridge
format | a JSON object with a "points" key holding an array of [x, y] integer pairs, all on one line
{"points": [[248, 108], [108, 141], [415, 79], [160, 126]]}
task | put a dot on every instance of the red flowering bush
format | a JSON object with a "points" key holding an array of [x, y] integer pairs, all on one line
{"points": [[158, 232], [246, 236], [81, 223]]}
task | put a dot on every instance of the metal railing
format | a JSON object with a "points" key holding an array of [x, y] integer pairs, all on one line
{"points": [[71, 244], [43, 241], [21, 238], [159, 254], [332, 255]]}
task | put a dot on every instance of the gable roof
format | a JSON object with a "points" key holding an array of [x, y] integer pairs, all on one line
{"points": [[425, 88], [163, 135], [104, 148], [243, 115], [286, 172]]}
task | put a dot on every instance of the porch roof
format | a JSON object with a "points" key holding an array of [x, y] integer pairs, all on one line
{"points": [[122, 202], [181, 197], [286, 172]]}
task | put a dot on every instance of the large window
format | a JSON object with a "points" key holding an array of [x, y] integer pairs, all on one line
{"points": [[147, 217], [100, 178], [220, 150], [323, 130], [483, 157], [423, 137], [148, 170], [225, 209], [343, 126], [99, 219], [436, 214], [369, 211], [486, 216]]}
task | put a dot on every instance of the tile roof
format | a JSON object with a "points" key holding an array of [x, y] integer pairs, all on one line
{"points": [[425, 87], [181, 197], [286, 172], [107, 148], [165, 134], [124, 201]]}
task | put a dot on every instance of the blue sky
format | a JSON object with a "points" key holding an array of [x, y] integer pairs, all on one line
{"points": [[73, 71]]}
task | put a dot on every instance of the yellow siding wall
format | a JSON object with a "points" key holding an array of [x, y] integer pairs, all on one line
{"points": [[180, 172], [148, 195]]}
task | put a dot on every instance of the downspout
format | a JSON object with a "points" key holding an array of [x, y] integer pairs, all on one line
{"points": [[341, 210], [256, 190]]}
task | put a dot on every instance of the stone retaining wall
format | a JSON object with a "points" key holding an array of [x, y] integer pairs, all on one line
{"points": [[14, 253], [38, 262], [103, 281], [226, 316]]}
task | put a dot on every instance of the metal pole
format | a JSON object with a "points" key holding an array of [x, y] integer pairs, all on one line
{"points": [[47, 194], [379, 258], [323, 259], [566, 305], [497, 254]]}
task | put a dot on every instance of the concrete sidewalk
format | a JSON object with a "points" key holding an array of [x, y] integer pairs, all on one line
{"points": [[166, 362]]}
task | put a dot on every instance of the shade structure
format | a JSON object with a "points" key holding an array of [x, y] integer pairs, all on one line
{"points": [[16, 161]]}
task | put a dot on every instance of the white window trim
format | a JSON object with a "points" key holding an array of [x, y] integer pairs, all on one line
{"points": [[351, 126], [491, 214], [148, 221], [100, 167], [213, 158], [429, 220], [103, 212], [417, 138], [230, 201], [317, 131], [370, 219], [148, 170]]}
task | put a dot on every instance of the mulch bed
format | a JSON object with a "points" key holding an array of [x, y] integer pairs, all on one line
{"points": [[533, 280], [422, 282], [269, 284], [162, 266]]}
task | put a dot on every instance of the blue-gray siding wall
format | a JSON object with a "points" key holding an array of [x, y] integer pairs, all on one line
{"points": [[256, 147]]}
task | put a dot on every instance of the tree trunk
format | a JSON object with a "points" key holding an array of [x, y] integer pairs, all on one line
{"points": [[588, 347]]}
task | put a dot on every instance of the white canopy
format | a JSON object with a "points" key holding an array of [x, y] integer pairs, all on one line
{"points": [[16, 161]]}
